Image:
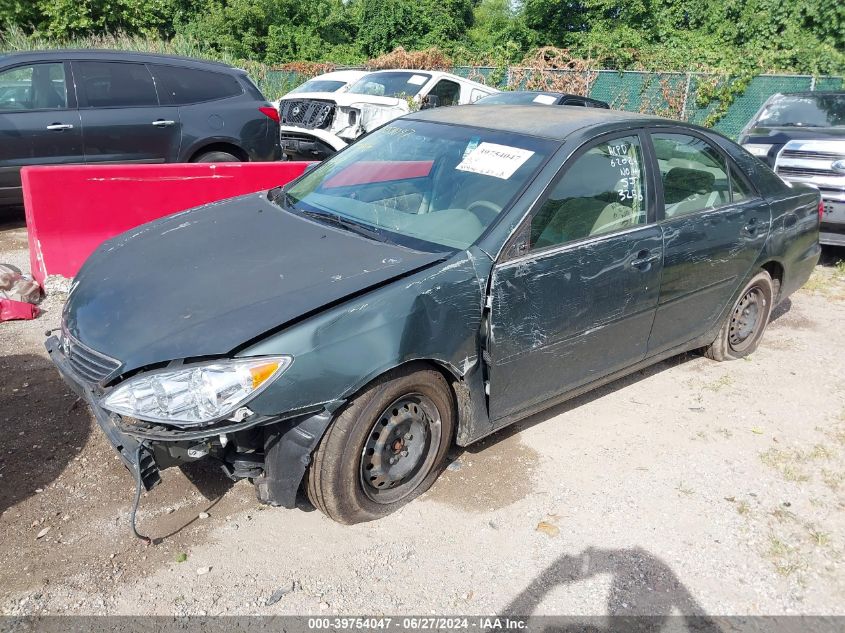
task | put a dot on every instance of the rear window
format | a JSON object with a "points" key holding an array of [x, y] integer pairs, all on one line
{"points": [[181, 86], [115, 84]]}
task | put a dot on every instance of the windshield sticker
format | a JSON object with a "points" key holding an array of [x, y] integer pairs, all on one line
{"points": [[417, 80], [495, 160], [545, 99]]}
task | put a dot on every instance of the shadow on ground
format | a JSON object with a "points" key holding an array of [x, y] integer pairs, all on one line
{"points": [[641, 585], [43, 426]]}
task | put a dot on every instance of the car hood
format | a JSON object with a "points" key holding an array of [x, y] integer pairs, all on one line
{"points": [[782, 135], [204, 282]]}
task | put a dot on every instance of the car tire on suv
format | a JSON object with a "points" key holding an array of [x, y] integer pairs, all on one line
{"points": [[217, 157]]}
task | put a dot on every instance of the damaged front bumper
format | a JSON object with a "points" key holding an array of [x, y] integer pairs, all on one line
{"points": [[272, 451], [310, 144]]}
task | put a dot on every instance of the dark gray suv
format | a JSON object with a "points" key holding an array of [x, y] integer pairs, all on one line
{"points": [[61, 107]]}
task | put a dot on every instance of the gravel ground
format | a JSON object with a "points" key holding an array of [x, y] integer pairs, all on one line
{"points": [[692, 486]]}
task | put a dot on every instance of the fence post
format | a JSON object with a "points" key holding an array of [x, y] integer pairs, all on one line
{"points": [[812, 83], [686, 97]]}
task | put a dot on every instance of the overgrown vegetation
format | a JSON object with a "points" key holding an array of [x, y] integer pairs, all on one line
{"points": [[747, 37]]}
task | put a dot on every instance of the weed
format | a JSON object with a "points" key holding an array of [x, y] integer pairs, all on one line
{"points": [[721, 383]]}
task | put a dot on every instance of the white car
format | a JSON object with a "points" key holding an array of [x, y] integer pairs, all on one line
{"points": [[315, 125], [335, 81]]}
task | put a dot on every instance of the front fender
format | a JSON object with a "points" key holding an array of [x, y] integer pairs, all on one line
{"points": [[434, 314]]}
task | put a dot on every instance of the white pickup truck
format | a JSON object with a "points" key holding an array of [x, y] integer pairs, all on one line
{"points": [[315, 125]]}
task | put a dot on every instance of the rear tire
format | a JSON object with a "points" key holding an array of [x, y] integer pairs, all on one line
{"points": [[217, 157], [747, 320], [386, 447]]}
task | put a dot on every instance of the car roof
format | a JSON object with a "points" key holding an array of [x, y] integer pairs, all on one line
{"points": [[554, 123], [113, 55], [812, 93]]}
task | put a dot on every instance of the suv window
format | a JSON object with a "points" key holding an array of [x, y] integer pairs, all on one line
{"points": [[694, 174], [33, 87], [447, 92], [115, 84], [602, 191], [180, 86]]}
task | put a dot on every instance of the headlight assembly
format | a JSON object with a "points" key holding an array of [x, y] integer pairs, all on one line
{"points": [[197, 394]]}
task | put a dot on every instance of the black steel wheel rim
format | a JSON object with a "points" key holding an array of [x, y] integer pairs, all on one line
{"points": [[746, 319], [400, 448]]}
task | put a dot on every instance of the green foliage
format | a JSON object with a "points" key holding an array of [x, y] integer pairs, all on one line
{"points": [[738, 38]]}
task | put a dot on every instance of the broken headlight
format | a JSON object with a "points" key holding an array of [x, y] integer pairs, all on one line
{"points": [[196, 394]]}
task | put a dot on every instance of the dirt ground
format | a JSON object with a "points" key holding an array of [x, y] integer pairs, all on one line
{"points": [[692, 486]]}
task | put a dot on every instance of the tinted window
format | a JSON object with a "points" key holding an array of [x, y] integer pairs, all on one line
{"points": [[694, 174], [447, 93], [35, 87], [602, 191], [390, 84], [180, 86], [739, 188], [115, 84]]}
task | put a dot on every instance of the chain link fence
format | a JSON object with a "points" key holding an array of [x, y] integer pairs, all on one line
{"points": [[684, 96]]}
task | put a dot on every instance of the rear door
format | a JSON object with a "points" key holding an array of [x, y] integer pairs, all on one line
{"points": [[714, 227], [121, 117], [574, 298], [39, 122]]}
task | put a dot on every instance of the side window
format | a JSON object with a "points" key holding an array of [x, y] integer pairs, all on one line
{"points": [[34, 87], [604, 190], [447, 92], [694, 174], [739, 188], [476, 94], [180, 86], [115, 84]]}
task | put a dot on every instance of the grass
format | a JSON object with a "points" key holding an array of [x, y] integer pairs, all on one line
{"points": [[784, 557], [717, 385], [789, 462]]}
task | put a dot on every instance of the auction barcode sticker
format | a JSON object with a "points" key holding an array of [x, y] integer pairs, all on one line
{"points": [[491, 159]]}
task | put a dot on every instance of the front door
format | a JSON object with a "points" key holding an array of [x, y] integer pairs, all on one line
{"points": [[579, 302], [121, 116], [39, 123], [714, 228]]}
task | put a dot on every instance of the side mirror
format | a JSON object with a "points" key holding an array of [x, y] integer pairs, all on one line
{"points": [[430, 101]]}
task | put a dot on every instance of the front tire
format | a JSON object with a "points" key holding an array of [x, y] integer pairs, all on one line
{"points": [[386, 447], [745, 323], [217, 157]]}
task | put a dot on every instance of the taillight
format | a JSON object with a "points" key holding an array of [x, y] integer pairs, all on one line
{"points": [[821, 210], [271, 112]]}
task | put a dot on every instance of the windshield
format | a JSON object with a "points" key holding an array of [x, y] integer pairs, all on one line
{"points": [[519, 97], [823, 110], [390, 84], [319, 85], [420, 184]]}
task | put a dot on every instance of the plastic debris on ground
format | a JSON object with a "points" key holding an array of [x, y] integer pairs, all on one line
{"points": [[18, 294]]}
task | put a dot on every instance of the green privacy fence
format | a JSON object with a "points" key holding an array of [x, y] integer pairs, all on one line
{"points": [[691, 97]]}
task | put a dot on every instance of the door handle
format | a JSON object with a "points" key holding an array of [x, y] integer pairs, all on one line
{"points": [[59, 127], [163, 123], [645, 259], [751, 227]]}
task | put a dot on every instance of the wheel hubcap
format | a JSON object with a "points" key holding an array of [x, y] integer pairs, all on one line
{"points": [[745, 320], [400, 448]]}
